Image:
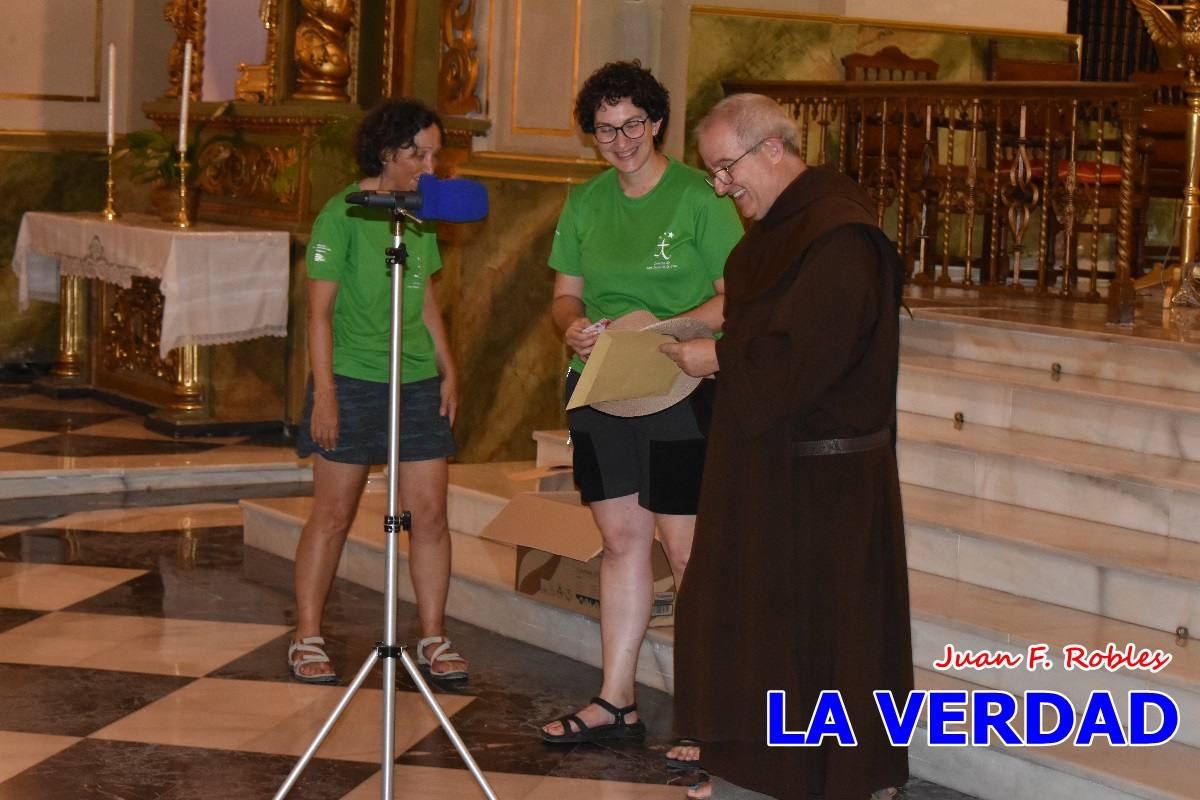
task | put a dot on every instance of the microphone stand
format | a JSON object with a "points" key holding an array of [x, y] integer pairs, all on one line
{"points": [[393, 522]]}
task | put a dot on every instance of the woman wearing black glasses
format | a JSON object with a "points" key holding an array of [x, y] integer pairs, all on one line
{"points": [[646, 235]]}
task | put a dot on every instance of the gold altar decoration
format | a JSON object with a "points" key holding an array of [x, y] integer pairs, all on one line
{"points": [[323, 50], [131, 340], [187, 18], [1179, 47], [256, 84], [248, 171], [459, 72], [72, 299]]}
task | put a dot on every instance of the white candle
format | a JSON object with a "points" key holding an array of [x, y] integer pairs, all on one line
{"points": [[185, 93], [112, 103]]}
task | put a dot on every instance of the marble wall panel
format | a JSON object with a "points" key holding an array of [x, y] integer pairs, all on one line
{"points": [[495, 292], [38, 181]]}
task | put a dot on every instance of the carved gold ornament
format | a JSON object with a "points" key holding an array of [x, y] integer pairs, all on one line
{"points": [[133, 329], [248, 171], [187, 18], [322, 50], [459, 72]]}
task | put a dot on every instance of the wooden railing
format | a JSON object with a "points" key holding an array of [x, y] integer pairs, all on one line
{"points": [[964, 175]]}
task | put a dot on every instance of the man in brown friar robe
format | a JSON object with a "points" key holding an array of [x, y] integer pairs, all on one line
{"points": [[797, 579]]}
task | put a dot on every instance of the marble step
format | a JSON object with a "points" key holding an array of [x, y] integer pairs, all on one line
{"points": [[1124, 573], [1061, 772], [168, 475], [943, 611], [1161, 362], [976, 618], [1129, 416], [1116, 572], [481, 588], [1141, 491]]}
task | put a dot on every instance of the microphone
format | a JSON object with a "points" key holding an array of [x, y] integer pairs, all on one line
{"points": [[451, 200]]}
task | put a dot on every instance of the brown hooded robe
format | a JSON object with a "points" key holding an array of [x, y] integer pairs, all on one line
{"points": [[797, 578]]}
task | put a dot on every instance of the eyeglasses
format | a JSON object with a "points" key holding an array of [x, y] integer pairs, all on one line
{"points": [[633, 129], [724, 175]]}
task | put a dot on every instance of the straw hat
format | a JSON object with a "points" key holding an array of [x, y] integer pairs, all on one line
{"points": [[682, 328]]}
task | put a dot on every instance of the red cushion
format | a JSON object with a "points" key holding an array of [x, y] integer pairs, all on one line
{"points": [[1085, 171]]}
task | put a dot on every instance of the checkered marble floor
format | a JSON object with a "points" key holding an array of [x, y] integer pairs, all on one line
{"points": [[142, 656]]}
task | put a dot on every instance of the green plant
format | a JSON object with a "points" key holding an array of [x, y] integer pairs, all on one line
{"points": [[154, 155]]}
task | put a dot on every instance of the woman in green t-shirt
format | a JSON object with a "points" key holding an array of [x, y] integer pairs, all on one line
{"points": [[345, 424], [649, 235]]}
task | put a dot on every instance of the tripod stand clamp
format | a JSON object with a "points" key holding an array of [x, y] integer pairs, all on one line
{"points": [[396, 523], [388, 651]]}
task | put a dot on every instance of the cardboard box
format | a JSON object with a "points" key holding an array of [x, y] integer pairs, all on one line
{"points": [[559, 553]]}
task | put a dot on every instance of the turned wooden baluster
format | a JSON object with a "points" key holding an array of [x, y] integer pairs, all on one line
{"points": [[902, 214], [947, 195], [993, 260], [972, 185]]}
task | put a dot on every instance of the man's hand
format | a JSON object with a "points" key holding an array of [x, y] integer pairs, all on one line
{"points": [[697, 358]]}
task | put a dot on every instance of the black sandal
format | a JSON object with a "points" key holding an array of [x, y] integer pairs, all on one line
{"points": [[576, 730]]}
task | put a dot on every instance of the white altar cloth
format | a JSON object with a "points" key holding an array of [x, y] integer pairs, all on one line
{"points": [[219, 283]]}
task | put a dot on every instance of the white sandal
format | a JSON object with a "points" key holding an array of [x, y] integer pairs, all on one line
{"points": [[441, 653], [312, 651]]}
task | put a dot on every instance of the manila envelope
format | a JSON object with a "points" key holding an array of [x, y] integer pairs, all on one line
{"points": [[624, 365]]}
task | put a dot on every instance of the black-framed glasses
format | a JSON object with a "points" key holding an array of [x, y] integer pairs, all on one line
{"points": [[723, 175], [633, 129]]}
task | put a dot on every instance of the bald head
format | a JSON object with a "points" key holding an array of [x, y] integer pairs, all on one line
{"points": [[752, 118]]}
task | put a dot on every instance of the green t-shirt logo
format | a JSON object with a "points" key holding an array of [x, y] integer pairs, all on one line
{"points": [[661, 258]]}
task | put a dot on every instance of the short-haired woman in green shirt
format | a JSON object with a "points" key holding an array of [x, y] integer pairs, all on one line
{"points": [[647, 235], [345, 423]]}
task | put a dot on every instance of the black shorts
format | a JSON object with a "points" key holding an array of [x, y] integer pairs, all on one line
{"points": [[363, 418], [658, 457]]}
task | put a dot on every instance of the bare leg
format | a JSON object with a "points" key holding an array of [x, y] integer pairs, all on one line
{"points": [[676, 531], [337, 488], [626, 595], [423, 492]]}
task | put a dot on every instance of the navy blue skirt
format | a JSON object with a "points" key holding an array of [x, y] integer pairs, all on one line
{"points": [[362, 423]]}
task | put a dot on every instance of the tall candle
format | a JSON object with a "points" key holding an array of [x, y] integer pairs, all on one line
{"points": [[112, 103], [185, 93]]}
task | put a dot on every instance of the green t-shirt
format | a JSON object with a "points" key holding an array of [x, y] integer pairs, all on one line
{"points": [[659, 252], [347, 246]]}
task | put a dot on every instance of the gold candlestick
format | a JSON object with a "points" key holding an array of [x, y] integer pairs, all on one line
{"points": [[110, 210], [182, 221], [1178, 44]]}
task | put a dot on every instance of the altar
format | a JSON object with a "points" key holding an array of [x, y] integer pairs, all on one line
{"points": [[149, 312]]}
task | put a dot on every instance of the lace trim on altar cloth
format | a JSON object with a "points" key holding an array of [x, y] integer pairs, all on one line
{"points": [[228, 337], [95, 265]]}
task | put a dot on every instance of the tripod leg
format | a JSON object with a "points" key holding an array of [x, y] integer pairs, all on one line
{"points": [[447, 726], [294, 775]]}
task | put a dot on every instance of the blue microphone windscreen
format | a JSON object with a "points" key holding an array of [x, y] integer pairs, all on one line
{"points": [[452, 200]]}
